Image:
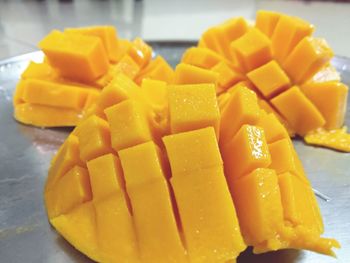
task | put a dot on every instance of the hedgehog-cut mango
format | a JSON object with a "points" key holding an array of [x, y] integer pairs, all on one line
{"points": [[164, 177], [78, 64], [283, 64]]}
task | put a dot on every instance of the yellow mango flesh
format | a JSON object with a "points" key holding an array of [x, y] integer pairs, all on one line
{"points": [[210, 237], [304, 117], [270, 79], [263, 217], [192, 107], [251, 50], [330, 98], [158, 236], [173, 198], [77, 57], [266, 21], [188, 74], [287, 34], [337, 139], [107, 34]]}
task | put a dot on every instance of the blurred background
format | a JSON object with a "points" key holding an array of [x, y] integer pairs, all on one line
{"points": [[24, 23]]}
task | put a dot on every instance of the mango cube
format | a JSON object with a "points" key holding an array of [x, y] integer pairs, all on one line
{"points": [[94, 138], [46, 116], [203, 153], [304, 117], [262, 218], [77, 57], [270, 79], [155, 224], [246, 152], [106, 175], [314, 52], [54, 94], [156, 91], [71, 190], [285, 159], [188, 74], [201, 57], [227, 76], [140, 52], [115, 231], [266, 21], [120, 88], [330, 98], [157, 69], [289, 31], [241, 108], [78, 227], [107, 34], [129, 124], [252, 50], [274, 129], [193, 107]]}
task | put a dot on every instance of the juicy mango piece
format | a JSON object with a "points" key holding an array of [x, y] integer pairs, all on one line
{"points": [[330, 98], [314, 52], [218, 38], [246, 152], [129, 125], [266, 21], [71, 190], [106, 175], [241, 108], [203, 154], [274, 129], [304, 117], [140, 52], [107, 34], [270, 79], [263, 217], [188, 74], [227, 76], [46, 116], [157, 69], [77, 57], [201, 57], [288, 32], [79, 228], [115, 231], [192, 107], [158, 236], [94, 138], [252, 49], [337, 139], [209, 237]]}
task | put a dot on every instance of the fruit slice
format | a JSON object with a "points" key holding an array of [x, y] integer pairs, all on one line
{"points": [[304, 117], [192, 107], [155, 225], [78, 57], [210, 237]]}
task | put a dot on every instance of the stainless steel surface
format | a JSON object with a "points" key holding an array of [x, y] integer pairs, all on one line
{"points": [[25, 153]]}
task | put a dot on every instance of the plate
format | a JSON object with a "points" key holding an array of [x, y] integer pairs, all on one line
{"points": [[25, 154]]}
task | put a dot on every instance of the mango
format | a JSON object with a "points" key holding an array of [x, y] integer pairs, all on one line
{"points": [[192, 107], [251, 50], [107, 34], [79, 57], [162, 172], [288, 32], [155, 224], [305, 116], [188, 74], [266, 21], [269, 79], [210, 237], [64, 89]]}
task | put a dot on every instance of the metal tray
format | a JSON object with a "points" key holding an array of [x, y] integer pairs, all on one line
{"points": [[25, 154]]}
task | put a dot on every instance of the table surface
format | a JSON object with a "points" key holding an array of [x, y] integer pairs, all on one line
{"points": [[25, 154], [23, 23]]}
